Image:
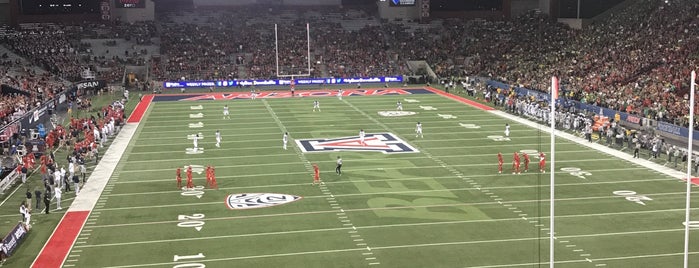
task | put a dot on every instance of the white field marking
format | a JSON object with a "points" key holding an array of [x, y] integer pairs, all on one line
{"points": [[362, 194], [584, 261], [400, 247], [228, 141], [178, 160], [313, 127], [392, 208], [330, 197], [237, 123], [413, 167]]}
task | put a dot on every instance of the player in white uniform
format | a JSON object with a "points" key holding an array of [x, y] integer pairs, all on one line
{"points": [[316, 106], [195, 141], [285, 139], [339, 94], [361, 137], [218, 138], [418, 130], [253, 94], [507, 130], [399, 106], [226, 113]]}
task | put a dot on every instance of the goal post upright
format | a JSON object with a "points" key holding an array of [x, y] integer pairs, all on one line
{"points": [[308, 54]]}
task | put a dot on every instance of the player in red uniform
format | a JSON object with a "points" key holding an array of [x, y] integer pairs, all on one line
{"points": [[500, 161], [526, 162], [316, 174], [208, 175], [515, 163], [542, 162], [179, 178], [213, 183], [190, 184]]}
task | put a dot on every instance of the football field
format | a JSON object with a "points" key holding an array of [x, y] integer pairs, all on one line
{"points": [[401, 201]]}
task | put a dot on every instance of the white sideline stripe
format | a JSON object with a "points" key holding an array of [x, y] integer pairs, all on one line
{"points": [[409, 167], [97, 180], [389, 248]]}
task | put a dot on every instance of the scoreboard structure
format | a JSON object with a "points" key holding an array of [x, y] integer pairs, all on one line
{"points": [[401, 3]]}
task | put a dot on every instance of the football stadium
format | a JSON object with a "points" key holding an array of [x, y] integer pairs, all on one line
{"points": [[348, 133]]}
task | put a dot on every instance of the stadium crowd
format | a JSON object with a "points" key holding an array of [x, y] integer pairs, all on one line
{"points": [[636, 60]]}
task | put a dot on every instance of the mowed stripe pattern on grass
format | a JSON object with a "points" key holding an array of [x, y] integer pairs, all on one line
{"points": [[441, 207]]}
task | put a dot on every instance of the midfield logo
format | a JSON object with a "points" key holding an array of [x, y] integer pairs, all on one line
{"points": [[386, 143], [258, 200]]}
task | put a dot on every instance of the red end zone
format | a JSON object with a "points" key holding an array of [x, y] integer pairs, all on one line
{"points": [[61, 241], [461, 99], [140, 109]]}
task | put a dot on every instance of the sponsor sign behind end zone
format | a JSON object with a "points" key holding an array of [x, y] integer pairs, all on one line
{"points": [[258, 200], [386, 143]]}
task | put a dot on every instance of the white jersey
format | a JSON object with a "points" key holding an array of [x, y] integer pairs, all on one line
{"points": [[399, 106], [507, 131], [225, 110], [339, 94], [195, 141], [285, 139], [418, 128], [218, 136], [316, 104]]}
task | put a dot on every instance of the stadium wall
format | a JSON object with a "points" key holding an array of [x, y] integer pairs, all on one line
{"points": [[134, 14], [518, 7], [200, 3], [391, 12]]}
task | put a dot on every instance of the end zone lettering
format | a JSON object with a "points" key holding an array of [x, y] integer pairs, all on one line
{"points": [[287, 94]]}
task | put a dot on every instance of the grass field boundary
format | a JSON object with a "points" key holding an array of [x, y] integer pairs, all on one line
{"points": [[56, 249]]}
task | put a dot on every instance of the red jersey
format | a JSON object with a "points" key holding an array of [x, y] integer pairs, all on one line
{"points": [[516, 158], [316, 171], [526, 158], [500, 161], [179, 172], [542, 158]]}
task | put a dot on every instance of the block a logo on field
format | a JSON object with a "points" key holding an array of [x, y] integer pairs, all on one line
{"points": [[386, 143], [258, 200], [396, 113]]}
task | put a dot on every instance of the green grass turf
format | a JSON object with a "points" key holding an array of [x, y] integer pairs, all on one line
{"points": [[443, 207]]}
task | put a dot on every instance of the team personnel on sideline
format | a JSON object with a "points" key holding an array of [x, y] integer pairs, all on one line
{"points": [[542, 162], [507, 130], [178, 176], [500, 162], [316, 105], [399, 106], [339, 94], [316, 174], [190, 183], [285, 139], [515, 163], [226, 113], [361, 137], [418, 130], [338, 168], [253, 94], [218, 138], [526, 162]]}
